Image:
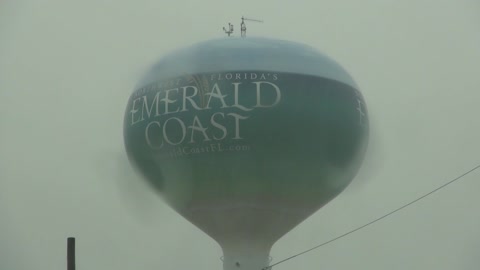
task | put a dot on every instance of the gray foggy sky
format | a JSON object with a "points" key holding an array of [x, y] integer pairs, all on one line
{"points": [[67, 69]]}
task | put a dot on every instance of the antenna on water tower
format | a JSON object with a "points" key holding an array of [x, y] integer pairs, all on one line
{"points": [[230, 29], [243, 27]]}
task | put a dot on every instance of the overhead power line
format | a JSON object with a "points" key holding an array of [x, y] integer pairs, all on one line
{"points": [[375, 220]]}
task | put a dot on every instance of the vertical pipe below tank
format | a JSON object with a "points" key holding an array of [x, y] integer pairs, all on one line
{"points": [[240, 255]]}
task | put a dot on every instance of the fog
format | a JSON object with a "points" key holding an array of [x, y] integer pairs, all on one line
{"points": [[66, 72]]}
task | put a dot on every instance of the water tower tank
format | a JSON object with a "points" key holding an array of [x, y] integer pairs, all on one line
{"points": [[246, 138]]}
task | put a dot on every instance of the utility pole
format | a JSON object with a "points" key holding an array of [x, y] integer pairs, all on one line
{"points": [[71, 253]]}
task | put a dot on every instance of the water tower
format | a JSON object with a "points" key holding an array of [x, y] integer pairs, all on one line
{"points": [[246, 138]]}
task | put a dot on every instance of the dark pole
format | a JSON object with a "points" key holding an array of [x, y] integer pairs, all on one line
{"points": [[71, 253]]}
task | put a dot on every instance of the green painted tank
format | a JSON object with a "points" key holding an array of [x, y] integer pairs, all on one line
{"points": [[246, 138]]}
